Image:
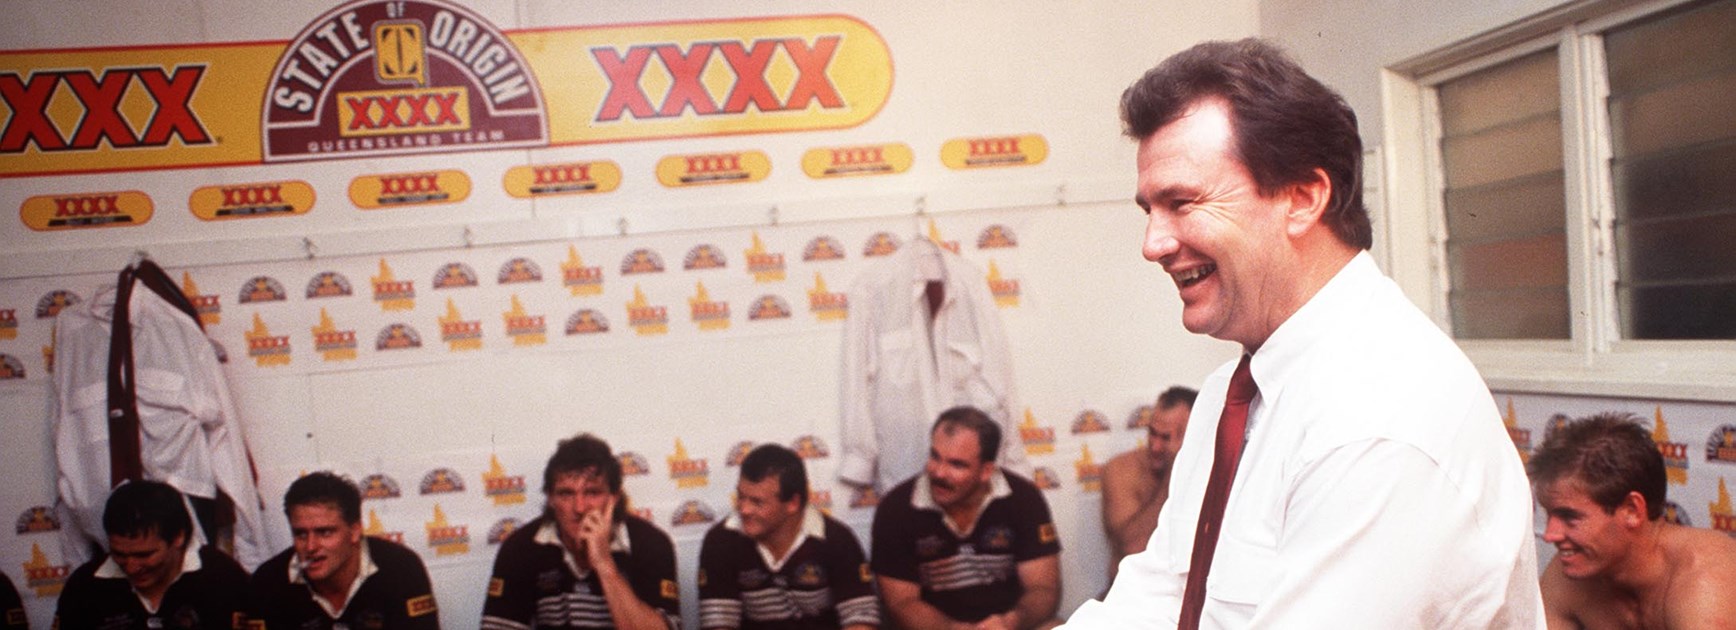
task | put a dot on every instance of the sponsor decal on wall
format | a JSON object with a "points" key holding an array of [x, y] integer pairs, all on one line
{"points": [[393, 294], [1090, 421], [51, 213], [587, 321], [693, 512], [1038, 439], [50, 303], [1721, 513], [262, 289], [873, 159], [1721, 445], [1045, 479], [704, 256], [208, 306], [880, 244], [997, 236], [328, 284], [825, 304], [43, 576], [37, 519], [708, 314], [1141, 416], [994, 151], [332, 343], [768, 307], [501, 529], [823, 248], [579, 279], [377, 529], [1675, 454], [738, 453], [447, 538], [687, 472], [502, 488], [641, 261], [678, 171], [764, 266], [1005, 290], [8, 323], [265, 348], [519, 270], [379, 486], [397, 190], [941, 241], [570, 178], [441, 481], [524, 329], [1521, 437], [644, 317], [633, 464], [1089, 472], [459, 333], [810, 447], [11, 368], [397, 336], [249, 201], [864, 498], [454, 275]]}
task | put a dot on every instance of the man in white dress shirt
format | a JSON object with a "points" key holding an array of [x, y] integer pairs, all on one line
{"points": [[1376, 486]]}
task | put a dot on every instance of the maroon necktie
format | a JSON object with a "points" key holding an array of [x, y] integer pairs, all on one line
{"points": [[1232, 430]]}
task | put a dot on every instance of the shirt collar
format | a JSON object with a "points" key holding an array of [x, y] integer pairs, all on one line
{"points": [[550, 534], [922, 497], [1280, 355], [189, 562], [368, 568], [813, 526]]}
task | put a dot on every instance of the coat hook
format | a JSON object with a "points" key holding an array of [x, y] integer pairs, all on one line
{"points": [[922, 206], [1061, 194], [621, 225], [772, 216], [469, 237], [309, 248]]}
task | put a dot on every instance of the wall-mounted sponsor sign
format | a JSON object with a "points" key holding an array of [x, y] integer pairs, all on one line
{"points": [[243, 201], [47, 213], [988, 152], [570, 178], [373, 192], [677, 171], [876, 159]]}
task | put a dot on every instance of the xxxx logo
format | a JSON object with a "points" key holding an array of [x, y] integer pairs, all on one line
{"points": [[400, 189], [100, 97], [688, 90], [1022, 150], [380, 112], [876, 159], [238, 201], [988, 147], [65, 212], [560, 179], [713, 168], [409, 184]]}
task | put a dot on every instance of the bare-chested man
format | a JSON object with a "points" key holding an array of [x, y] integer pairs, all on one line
{"points": [[1136, 483], [1618, 563]]}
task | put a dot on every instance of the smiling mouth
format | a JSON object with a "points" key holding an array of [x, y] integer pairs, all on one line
{"points": [[1193, 276]]}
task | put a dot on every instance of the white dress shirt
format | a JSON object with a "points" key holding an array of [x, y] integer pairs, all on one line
{"points": [[903, 368], [1377, 489], [190, 432]]}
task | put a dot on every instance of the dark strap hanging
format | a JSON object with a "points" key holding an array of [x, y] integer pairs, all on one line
{"points": [[125, 462]]}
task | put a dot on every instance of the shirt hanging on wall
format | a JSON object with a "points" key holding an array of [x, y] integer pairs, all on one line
{"points": [[189, 431], [905, 363]]}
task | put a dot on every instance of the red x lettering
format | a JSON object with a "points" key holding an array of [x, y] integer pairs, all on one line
{"points": [[389, 112], [448, 104], [811, 80], [418, 113], [102, 109], [359, 116], [29, 122], [174, 96], [750, 76], [686, 89], [624, 94]]}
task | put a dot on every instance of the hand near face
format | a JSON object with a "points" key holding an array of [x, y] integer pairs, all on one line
{"points": [[594, 531]]}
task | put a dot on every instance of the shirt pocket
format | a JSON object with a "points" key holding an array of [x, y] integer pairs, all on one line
{"points": [[1243, 574], [965, 369], [897, 359]]}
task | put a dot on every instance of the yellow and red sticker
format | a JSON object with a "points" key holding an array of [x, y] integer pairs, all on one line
{"points": [[46, 213], [373, 192], [569, 178], [677, 171], [994, 151], [246, 201], [874, 159]]}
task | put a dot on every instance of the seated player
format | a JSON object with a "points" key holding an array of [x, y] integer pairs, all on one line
{"points": [[157, 573], [333, 576], [1136, 483], [966, 544], [778, 563], [586, 562], [1618, 563], [12, 616]]}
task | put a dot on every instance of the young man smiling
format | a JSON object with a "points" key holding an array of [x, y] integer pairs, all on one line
{"points": [[334, 576], [1618, 563], [156, 574], [778, 563]]}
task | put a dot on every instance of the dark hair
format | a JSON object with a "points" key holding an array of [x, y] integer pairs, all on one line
{"points": [[324, 488], [766, 460], [1286, 123], [1610, 454], [1177, 395], [139, 508], [988, 431], [583, 454]]}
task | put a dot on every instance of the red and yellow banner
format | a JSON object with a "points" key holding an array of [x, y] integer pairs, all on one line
{"points": [[378, 78]]}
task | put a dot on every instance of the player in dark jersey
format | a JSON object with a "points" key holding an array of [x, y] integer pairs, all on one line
{"points": [[12, 615], [157, 573], [778, 563], [586, 562], [335, 577], [965, 542]]}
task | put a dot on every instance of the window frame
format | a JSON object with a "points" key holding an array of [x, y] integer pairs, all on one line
{"points": [[1595, 360]]}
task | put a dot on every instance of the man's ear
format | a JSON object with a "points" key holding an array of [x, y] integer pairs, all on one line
{"points": [[1307, 202], [1632, 510]]}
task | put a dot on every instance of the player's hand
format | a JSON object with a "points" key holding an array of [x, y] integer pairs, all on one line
{"points": [[594, 532]]}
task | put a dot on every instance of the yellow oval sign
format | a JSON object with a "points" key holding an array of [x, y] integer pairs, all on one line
{"points": [[705, 169], [993, 151], [246, 201], [373, 192], [571, 178], [875, 159], [47, 213]]}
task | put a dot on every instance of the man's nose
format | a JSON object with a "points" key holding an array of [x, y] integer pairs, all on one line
{"points": [[1552, 531], [1160, 239]]}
